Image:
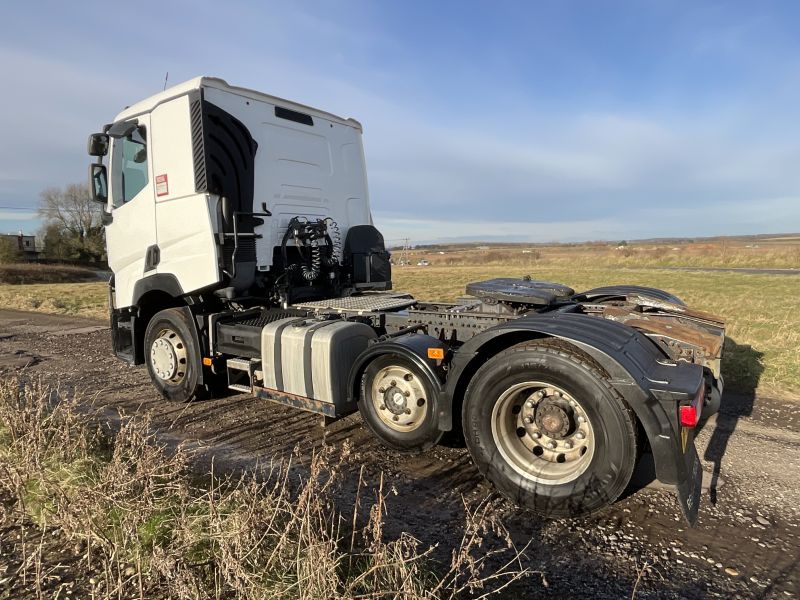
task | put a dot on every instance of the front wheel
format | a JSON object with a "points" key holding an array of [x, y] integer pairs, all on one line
{"points": [[172, 361], [545, 427]]}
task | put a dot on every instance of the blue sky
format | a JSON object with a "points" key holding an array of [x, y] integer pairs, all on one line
{"points": [[534, 121]]}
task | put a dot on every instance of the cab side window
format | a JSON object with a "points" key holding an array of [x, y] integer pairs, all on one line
{"points": [[130, 174]]}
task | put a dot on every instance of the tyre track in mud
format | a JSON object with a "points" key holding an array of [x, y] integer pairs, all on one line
{"points": [[752, 530]]}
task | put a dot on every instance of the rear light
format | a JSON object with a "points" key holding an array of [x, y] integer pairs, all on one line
{"points": [[690, 416]]}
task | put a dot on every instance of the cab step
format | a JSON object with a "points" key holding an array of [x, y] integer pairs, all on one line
{"points": [[241, 373]]}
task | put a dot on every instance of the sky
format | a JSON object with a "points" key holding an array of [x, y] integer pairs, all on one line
{"points": [[520, 121]]}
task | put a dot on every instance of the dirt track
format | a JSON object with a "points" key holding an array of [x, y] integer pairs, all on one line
{"points": [[752, 531]]}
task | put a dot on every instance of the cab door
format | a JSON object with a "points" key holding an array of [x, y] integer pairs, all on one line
{"points": [[131, 221]]}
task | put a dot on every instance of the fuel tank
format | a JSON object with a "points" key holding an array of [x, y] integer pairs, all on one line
{"points": [[312, 358]]}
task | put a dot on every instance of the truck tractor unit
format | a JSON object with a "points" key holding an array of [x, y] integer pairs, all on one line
{"points": [[245, 258]]}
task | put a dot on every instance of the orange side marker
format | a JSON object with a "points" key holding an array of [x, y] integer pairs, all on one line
{"points": [[436, 353]]}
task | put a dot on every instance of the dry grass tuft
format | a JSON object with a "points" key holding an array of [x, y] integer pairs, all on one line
{"points": [[145, 529], [83, 299]]}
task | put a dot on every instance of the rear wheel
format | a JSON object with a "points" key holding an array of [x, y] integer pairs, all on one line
{"points": [[172, 361], [398, 403], [545, 427]]}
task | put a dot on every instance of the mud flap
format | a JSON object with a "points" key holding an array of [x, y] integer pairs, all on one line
{"points": [[689, 490]]}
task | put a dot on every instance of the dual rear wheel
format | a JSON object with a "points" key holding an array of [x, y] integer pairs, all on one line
{"points": [[540, 420]]}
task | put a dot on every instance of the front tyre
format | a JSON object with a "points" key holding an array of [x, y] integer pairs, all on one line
{"points": [[545, 427], [172, 361]]}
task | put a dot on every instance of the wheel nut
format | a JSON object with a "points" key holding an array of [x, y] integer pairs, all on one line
{"points": [[529, 420], [396, 418], [580, 435], [394, 383], [382, 390], [536, 435], [568, 445], [406, 393], [529, 404], [581, 419], [551, 445], [383, 407], [408, 411]]}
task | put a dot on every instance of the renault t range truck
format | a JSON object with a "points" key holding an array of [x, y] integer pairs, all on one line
{"points": [[245, 258]]}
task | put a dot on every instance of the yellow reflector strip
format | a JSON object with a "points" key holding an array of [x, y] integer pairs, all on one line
{"points": [[436, 353]]}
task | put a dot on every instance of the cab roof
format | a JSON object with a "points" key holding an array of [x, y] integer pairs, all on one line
{"points": [[148, 104]]}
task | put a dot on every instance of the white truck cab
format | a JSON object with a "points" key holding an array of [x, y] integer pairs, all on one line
{"points": [[204, 160]]}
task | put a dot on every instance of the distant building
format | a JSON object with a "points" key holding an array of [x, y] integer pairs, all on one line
{"points": [[26, 244]]}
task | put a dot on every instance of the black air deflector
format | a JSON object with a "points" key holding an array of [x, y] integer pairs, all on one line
{"points": [[224, 153]]}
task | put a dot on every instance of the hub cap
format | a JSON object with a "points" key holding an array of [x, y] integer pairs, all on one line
{"points": [[399, 398], [168, 356], [543, 433]]}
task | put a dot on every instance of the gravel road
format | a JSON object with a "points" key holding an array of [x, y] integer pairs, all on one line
{"points": [[746, 544]]}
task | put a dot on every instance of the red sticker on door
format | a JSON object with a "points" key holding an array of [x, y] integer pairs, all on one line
{"points": [[162, 185]]}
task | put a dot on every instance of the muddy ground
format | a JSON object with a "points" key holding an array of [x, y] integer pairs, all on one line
{"points": [[746, 544]]}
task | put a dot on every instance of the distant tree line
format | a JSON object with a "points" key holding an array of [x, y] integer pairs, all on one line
{"points": [[73, 227]]}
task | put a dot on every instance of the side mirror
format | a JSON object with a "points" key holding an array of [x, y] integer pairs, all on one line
{"points": [[98, 144], [98, 182]]}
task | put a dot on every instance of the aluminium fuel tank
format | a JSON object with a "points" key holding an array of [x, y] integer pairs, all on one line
{"points": [[312, 358]]}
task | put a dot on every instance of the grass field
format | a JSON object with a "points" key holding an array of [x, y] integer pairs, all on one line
{"points": [[763, 320], [84, 299], [38, 273], [761, 311], [775, 253]]}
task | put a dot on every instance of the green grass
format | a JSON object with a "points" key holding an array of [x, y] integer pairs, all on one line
{"points": [[763, 321]]}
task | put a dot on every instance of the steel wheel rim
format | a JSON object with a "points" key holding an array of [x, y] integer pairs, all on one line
{"points": [[399, 398], [168, 356], [555, 455]]}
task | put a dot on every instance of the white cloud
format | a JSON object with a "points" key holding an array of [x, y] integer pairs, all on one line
{"points": [[420, 230], [17, 215]]}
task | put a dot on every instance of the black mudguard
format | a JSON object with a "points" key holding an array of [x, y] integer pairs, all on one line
{"points": [[652, 385], [413, 346]]}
